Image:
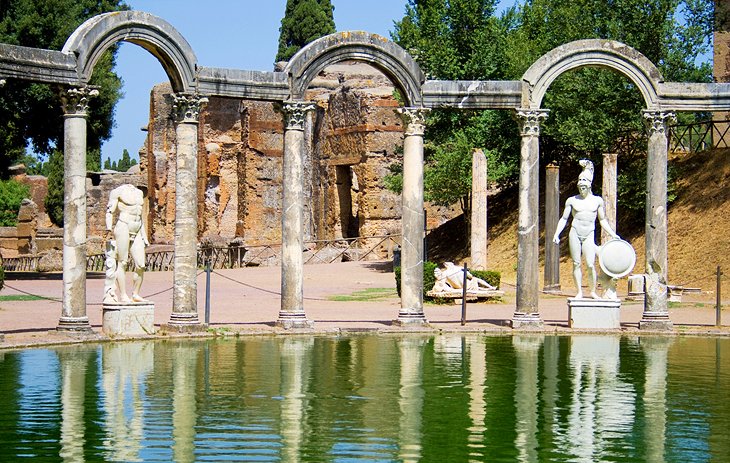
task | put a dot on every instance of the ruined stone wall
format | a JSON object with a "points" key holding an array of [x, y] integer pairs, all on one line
{"points": [[353, 137]]}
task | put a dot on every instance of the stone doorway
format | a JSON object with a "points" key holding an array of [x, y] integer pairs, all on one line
{"points": [[347, 195]]}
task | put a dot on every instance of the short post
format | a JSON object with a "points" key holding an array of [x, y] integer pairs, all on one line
{"points": [[463, 298], [207, 291], [718, 305]]}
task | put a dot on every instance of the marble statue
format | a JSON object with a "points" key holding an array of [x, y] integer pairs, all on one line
{"points": [[585, 207], [124, 219], [451, 279]]}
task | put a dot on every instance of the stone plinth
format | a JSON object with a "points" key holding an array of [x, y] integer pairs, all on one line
{"points": [[128, 318], [526, 320], [596, 314]]}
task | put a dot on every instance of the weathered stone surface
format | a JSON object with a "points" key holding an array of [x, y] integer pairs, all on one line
{"points": [[128, 319], [351, 139], [52, 261]]}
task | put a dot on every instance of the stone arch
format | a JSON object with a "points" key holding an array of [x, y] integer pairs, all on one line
{"points": [[153, 34], [592, 52], [385, 55]]}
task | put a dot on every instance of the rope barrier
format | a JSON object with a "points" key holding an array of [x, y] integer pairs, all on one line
{"points": [[262, 289], [31, 294]]}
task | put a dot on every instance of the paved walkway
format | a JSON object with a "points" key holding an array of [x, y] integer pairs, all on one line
{"points": [[247, 301]]}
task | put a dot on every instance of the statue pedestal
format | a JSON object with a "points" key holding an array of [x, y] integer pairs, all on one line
{"points": [[128, 318], [597, 314]]}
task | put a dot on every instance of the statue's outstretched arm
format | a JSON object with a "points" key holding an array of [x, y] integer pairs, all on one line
{"points": [[604, 222]]}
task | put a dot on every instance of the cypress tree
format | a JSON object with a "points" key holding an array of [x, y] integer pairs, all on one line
{"points": [[304, 21]]}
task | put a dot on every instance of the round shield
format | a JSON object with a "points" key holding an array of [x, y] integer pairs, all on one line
{"points": [[617, 258]]}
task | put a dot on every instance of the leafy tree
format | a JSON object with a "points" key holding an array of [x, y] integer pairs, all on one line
{"points": [[126, 162], [304, 21], [54, 198], [31, 113], [590, 107], [457, 40], [11, 194]]}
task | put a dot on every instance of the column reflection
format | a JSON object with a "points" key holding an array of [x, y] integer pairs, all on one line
{"points": [[410, 398], [655, 396], [477, 388], [73, 366], [125, 367], [294, 379], [527, 349], [184, 412]]}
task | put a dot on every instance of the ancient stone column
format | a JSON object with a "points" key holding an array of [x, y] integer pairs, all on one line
{"points": [[479, 210], [528, 272], [655, 314], [292, 313], [411, 311], [73, 312], [609, 188], [552, 215], [186, 110]]}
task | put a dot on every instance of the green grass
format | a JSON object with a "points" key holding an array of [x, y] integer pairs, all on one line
{"points": [[21, 297], [368, 294]]}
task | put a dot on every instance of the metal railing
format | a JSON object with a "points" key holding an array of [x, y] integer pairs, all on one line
{"points": [[316, 252], [21, 263], [682, 138]]}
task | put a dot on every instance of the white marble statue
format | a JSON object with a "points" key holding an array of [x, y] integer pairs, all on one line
{"points": [[451, 279], [124, 219], [584, 207]]}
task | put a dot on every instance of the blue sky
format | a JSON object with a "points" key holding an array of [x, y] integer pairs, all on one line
{"points": [[240, 34]]}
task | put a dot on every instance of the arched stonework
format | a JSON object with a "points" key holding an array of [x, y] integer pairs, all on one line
{"points": [[592, 52], [361, 46], [153, 34]]}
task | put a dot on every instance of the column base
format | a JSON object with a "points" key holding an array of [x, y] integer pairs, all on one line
{"points": [[74, 325], [409, 318], [184, 323], [294, 320], [523, 320], [552, 289], [655, 321]]}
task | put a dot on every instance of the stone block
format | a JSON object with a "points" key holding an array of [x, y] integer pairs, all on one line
{"points": [[26, 229], [598, 314], [128, 319]]}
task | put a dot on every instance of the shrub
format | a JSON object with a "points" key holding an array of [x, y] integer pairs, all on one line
{"points": [[11, 194], [428, 278], [492, 277]]}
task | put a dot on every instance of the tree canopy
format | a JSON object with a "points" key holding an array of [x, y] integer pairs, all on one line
{"points": [[589, 108], [304, 21], [32, 113]]}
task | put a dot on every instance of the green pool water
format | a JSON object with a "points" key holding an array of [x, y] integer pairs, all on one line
{"points": [[370, 398]]}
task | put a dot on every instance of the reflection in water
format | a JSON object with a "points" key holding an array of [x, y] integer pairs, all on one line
{"points": [[527, 348], [74, 364], [370, 398], [477, 390], [183, 401], [125, 367], [293, 385], [602, 406], [655, 350], [410, 397]]}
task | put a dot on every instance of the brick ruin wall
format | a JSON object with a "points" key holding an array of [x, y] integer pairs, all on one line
{"points": [[353, 138]]}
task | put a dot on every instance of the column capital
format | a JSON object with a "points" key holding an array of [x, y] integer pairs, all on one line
{"points": [[415, 119], [295, 113], [2, 82], [186, 107], [75, 100], [530, 119], [656, 120]]}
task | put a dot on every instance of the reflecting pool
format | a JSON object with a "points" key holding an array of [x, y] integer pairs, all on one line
{"points": [[370, 398]]}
